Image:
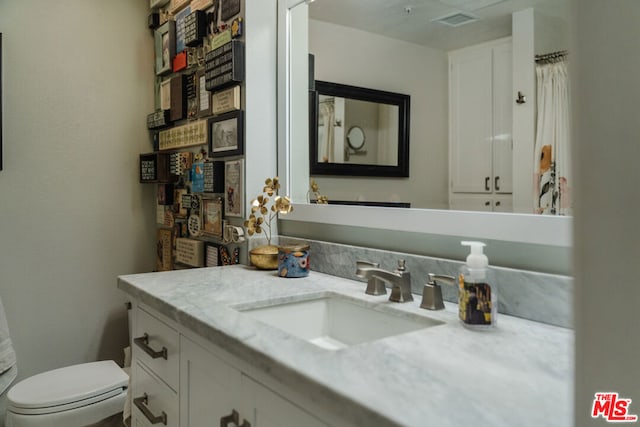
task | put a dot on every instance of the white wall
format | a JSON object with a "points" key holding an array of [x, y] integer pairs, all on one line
{"points": [[605, 66], [423, 75], [78, 84]]}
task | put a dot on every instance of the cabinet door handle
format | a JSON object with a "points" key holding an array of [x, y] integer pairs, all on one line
{"points": [[141, 403], [497, 203], [234, 418], [487, 203], [143, 343], [497, 183], [486, 183]]}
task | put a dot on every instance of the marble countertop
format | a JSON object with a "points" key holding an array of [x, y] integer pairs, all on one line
{"points": [[521, 373]]}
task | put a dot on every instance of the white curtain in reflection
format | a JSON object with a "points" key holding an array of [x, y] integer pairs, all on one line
{"points": [[325, 134], [552, 180]]}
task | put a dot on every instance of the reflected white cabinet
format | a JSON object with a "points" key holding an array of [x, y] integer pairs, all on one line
{"points": [[209, 390], [480, 125], [481, 202]]}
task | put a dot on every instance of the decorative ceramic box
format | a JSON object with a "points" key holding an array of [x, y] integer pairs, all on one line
{"points": [[293, 260]]}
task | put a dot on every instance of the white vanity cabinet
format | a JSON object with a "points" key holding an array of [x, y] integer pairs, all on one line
{"points": [[211, 389], [480, 126]]}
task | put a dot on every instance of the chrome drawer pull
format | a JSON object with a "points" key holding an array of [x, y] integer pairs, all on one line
{"points": [[143, 343], [234, 418], [141, 403]]}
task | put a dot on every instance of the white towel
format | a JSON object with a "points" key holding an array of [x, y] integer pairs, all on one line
{"points": [[8, 369]]}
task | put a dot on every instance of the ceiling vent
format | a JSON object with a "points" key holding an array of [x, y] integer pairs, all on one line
{"points": [[456, 19]]}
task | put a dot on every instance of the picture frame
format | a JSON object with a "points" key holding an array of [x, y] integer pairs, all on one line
{"points": [[226, 134], [234, 188], [165, 94], [165, 47], [212, 216]]}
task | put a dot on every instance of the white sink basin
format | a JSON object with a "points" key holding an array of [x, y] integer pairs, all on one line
{"points": [[335, 321]]}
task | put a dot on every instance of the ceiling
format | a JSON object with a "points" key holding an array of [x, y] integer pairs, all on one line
{"points": [[413, 20]]}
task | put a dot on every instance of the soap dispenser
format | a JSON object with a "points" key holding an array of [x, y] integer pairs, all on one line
{"points": [[477, 299]]}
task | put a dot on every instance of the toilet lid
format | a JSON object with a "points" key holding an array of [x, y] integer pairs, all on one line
{"points": [[68, 388]]}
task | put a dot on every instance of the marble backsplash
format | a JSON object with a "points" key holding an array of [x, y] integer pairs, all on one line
{"points": [[540, 297]]}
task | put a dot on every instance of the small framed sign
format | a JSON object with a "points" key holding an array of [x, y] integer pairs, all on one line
{"points": [[195, 28], [194, 133], [226, 134], [180, 18], [158, 119], [211, 255], [190, 252], [234, 187], [229, 9], [204, 96], [178, 98], [165, 194], [226, 100], [213, 177], [224, 65], [165, 47], [193, 94], [165, 94], [212, 217], [154, 167], [164, 250]]}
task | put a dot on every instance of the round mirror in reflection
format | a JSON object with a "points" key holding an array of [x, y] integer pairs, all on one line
{"points": [[355, 138]]}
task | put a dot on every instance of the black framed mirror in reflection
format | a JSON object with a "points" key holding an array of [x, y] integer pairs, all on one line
{"points": [[358, 131]]}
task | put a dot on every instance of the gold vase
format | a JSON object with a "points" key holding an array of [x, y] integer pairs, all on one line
{"points": [[264, 257]]}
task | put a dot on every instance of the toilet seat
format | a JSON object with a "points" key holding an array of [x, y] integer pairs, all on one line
{"points": [[68, 388]]}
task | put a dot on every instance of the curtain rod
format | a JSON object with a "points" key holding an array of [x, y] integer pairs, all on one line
{"points": [[551, 56]]}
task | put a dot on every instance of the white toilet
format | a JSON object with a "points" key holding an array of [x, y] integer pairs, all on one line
{"points": [[73, 396]]}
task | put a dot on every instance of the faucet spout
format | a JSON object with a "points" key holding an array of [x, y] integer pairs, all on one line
{"points": [[399, 280]]}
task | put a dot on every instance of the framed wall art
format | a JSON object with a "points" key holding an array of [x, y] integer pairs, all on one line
{"points": [[212, 217], [226, 134], [165, 47], [234, 187]]}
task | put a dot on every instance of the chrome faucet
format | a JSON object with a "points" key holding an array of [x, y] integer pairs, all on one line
{"points": [[400, 280]]}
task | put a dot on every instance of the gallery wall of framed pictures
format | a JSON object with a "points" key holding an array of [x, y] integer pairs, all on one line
{"points": [[197, 158]]}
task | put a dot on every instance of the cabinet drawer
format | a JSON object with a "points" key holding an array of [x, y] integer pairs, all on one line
{"points": [[154, 402], [157, 345]]}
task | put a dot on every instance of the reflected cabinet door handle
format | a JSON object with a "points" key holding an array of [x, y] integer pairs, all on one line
{"points": [[234, 418], [141, 403], [486, 183], [497, 183], [143, 343]]}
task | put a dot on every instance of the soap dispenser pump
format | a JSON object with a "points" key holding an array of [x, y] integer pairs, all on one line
{"points": [[477, 299]]}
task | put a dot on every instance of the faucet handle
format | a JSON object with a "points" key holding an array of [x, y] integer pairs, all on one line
{"points": [[375, 286], [432, 292], [361, 263], [401, 265], [449, 280]]}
